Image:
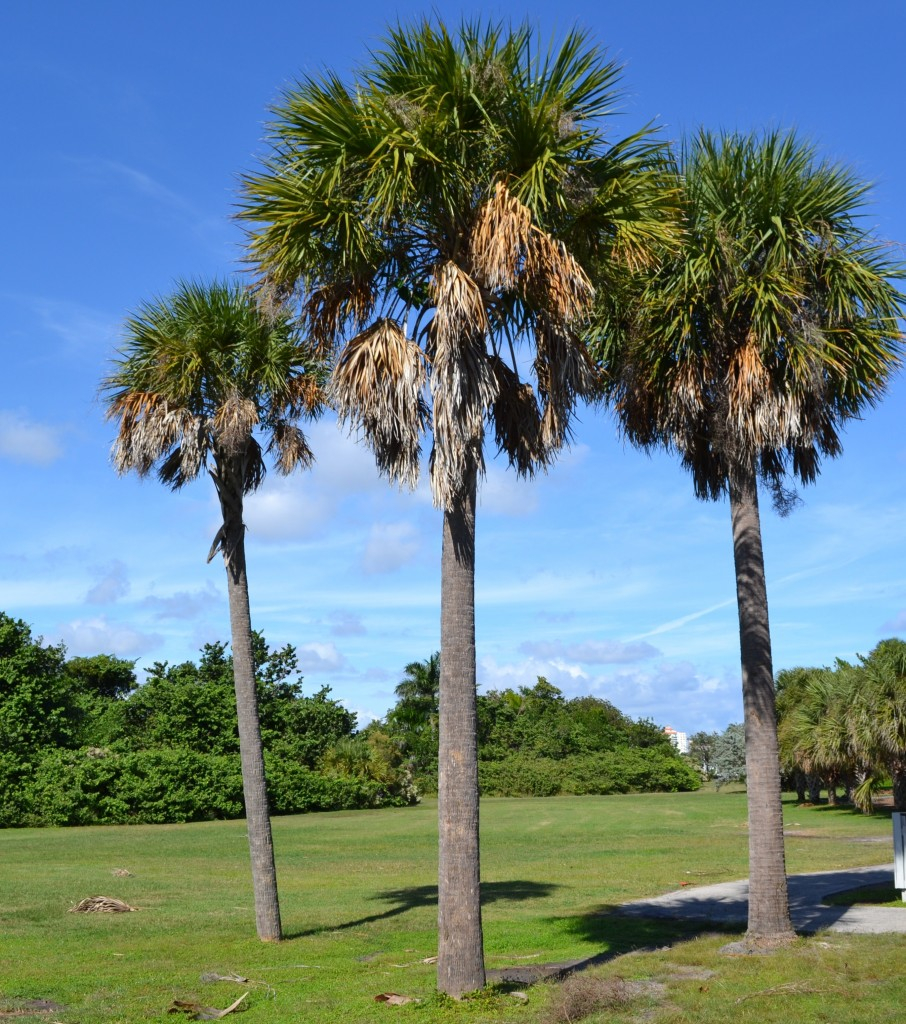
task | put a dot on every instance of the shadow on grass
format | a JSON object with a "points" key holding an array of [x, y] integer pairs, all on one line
{"points": [[612, 934], [415, 897]]}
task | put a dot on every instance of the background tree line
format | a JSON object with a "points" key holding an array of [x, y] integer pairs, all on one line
{"points": [[82, 743], [532, 741]]}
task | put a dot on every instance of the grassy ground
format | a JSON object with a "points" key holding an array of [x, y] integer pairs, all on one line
{"points": [[359, 906]]}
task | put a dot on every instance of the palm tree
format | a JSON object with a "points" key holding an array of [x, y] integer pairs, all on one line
{"points": [[745, 353], [201, 372], [878, 716], [436, 214]]}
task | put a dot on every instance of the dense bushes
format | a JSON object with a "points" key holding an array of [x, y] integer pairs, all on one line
{"points": [[534, 742], [82, 744]]}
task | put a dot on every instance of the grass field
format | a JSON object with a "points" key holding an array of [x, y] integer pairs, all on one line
{"points": [[359, 906]]}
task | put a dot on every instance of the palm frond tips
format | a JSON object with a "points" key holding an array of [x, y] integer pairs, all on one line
{"points": [[378, 385], [564, 371], [517, 422], [289, 448]]}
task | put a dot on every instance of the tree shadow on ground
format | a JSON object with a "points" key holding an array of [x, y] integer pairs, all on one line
{"points": [[612, 934], [415, 897]]}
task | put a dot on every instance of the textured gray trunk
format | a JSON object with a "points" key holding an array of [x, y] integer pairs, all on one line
{"points": [[769, 912], [254, 787], [460, 951]]}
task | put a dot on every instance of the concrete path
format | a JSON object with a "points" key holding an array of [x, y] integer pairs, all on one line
{"points": [[729, 902]]}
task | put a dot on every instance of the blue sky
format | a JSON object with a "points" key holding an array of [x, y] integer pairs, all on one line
{"points": [[125, 128]]}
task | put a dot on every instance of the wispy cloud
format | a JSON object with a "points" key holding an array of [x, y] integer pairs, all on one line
{"points": [[666, 627], [26, 441], [345, 623], [320, 658], [113, 583], [390, 546], [184, 604], [591, 652]]}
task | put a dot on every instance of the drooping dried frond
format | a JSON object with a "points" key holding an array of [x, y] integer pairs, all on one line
{"points": [[459, 307], [499, 240], [516, 418], [378, 385], [290, 448], [330, 307], [554, 279], [150, 430], [564, 371]]}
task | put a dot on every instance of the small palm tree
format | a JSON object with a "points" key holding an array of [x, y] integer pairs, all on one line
{"points": [[202, 371], [437, 214], [745, 352]]}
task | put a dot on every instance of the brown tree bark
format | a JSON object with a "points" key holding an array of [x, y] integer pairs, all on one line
{"points": [[460, 949], [251, 751], [769, 912]]}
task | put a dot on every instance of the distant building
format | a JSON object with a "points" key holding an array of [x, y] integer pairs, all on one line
{"points": [[679, 739]]}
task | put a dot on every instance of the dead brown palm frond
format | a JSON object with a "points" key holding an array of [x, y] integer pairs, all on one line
{"points": [[378, 384], [500, 237], [564, 370], [555, 280], [330, 307], [234, 420], [459, 307], [101, 905], [305, 395], [290, 448], [517, 421], [149, 428]]}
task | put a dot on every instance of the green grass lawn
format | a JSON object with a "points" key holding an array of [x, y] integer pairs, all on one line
{"points": [[359, 907]]}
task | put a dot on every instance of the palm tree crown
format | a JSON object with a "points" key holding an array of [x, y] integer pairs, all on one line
{"points": [[201, 372], [771, 325], [427, 205]]}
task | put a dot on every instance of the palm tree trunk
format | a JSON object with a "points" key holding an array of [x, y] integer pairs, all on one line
{"points": [[251, 751], [460, 949], [769, 912]]}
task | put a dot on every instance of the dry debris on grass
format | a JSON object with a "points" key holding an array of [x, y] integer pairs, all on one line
{"points": [[101, 905], [581, 995]]}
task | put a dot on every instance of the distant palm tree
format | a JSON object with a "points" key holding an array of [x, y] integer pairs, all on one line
{"points": [[202, 371], [878, 714], [439, 212], [773, 324]]}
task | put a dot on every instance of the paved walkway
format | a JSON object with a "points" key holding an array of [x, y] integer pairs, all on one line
{"points": [[729, 902]]}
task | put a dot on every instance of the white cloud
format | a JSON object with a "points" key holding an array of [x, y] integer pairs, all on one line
{"points": [[591, 652], [23, 440], [320, 658], [286, 509], [98, 635], [113, 583], [390, 546]]}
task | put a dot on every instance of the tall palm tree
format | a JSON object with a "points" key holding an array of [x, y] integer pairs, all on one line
{"points": [[201, 372], [437, 213], [745, 352]]}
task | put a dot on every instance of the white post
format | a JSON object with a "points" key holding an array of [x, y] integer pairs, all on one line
{"points": [[899, 853]]}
